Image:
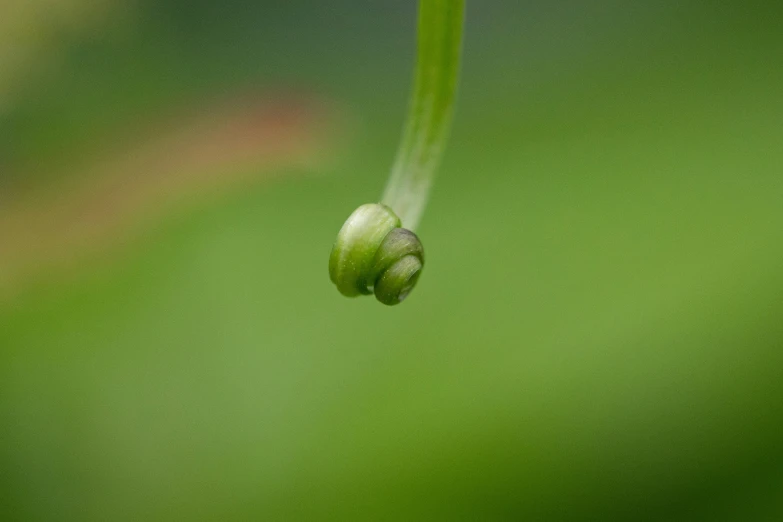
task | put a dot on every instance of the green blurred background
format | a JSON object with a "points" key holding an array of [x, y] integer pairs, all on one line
{"points": [[597, 335]]}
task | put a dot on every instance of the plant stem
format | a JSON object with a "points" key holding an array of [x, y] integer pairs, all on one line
{"points": [[431, 108]]}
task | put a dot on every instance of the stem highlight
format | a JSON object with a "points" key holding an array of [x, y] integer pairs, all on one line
{"points": [[430, 111]]}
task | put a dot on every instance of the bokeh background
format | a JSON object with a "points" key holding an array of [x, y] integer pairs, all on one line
{"points": [[597, 334]]}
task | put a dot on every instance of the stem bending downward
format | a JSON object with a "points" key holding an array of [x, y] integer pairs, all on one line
{"points": [[431, 108], [373, 253]]}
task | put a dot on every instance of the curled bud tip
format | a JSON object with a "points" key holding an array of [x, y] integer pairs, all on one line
{"points": [[373, 253]]}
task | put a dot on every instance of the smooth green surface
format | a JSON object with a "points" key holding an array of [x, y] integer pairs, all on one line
{"points": [[439, 47], [598, 338]]}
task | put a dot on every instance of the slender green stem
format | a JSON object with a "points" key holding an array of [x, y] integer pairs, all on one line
{"points": [[430, 111]]}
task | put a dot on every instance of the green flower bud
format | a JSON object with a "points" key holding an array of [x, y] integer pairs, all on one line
{"points": [[374, 254]]}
